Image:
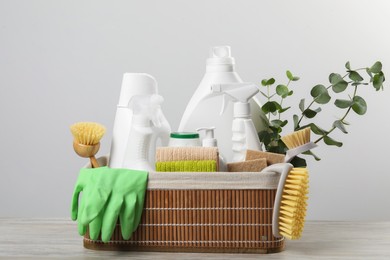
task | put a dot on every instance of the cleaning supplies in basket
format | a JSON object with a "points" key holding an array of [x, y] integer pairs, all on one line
{"points": [[202, 111], [136, 84]]}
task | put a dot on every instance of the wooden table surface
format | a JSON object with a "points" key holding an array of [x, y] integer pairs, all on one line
{"points": [[58, 238]]}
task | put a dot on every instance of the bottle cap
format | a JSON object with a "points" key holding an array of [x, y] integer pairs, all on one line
{"points": [[220, 55], [184, 135]]}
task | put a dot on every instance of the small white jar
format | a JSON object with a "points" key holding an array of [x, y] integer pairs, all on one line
{"points": [[180, 139]]}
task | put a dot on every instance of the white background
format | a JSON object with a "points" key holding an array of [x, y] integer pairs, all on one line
{"points": [[62, 62]]}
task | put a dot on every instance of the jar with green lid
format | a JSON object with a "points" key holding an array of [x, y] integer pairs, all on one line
{"points": [[180, 139]]}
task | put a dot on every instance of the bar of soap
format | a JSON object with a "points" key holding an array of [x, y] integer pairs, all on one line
{"points": [[271, 158], [247, 166]]}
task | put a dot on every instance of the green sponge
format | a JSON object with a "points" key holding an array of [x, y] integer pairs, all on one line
{"points": [[187, 166]]}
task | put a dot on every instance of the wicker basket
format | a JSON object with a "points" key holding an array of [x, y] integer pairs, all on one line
{"points": [[203, 212]]}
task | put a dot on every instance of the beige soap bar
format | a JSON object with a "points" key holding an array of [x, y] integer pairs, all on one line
{"points": [[248, 166], [271, 158]]}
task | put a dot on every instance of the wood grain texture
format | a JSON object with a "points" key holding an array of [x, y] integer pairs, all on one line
{"points": [[58, 238]]}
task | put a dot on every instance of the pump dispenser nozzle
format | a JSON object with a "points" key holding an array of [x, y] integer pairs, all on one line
{"points": [[208, 140]]}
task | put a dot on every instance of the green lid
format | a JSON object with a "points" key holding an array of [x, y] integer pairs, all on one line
{"points": [[184, 135]]}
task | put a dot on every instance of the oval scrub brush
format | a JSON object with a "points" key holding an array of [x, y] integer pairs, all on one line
{"points": [[86, 141], [289, 213], [297, 143]]}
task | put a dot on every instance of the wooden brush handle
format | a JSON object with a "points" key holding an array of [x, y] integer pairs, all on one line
{"points": [[94, 162]]}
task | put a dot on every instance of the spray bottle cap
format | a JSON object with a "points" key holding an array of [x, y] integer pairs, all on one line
{"points": [[136, 84], [208, 140], [220, 55]]}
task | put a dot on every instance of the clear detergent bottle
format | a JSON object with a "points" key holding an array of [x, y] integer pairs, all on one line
{"points": [[204, 109]]}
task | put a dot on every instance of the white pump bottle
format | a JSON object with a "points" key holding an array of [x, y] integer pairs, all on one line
{"points": [[135, 84], [204, 110], [209, 141], [244, 134]]}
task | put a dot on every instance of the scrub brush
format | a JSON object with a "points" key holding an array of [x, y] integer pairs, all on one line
{"points": [[289, 213], [86, 141], [297, 143]]}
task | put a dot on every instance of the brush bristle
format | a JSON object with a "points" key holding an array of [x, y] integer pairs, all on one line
{"points": [[87, 133], [294, 203], [297, 138]]}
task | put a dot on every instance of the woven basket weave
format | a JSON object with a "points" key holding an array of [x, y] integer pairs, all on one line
{"points": [[203, 212]]}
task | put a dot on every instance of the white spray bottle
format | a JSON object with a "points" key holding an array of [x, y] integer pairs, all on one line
{"points": [[145, 119], [134, 84], [209, 141], [244, 134], [220, 69]]}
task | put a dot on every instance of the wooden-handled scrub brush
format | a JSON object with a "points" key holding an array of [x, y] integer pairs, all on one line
{"points": [[298, 142], [289, 213], [86, 141]]}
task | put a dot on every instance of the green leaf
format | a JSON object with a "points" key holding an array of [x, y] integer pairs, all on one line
{"points": [[290, 93], [343, 103], [340, 86], [316, 129], [348, 65], [269, 107], [359, 105], [320, 94], [335, 78], [282, 90], [270, 81], [339, 124], [309, 113], [279, 123], [302, 105], [369, 72], [295, 78], [353, 75], [330, 141], [376, 68], [312, 154], [264, 82], [378, 81], [284, 109], [289, 75], [298, 162], [295, 119]]}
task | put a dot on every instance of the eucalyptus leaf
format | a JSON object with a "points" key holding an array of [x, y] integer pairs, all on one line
{"points": [[369, 72], [339, 124], [355, 76], [335, 78], [317, 130], [284, 109], [295, 119], [343, 103], [340, 86], [269, 107], [264, 82], [282, 90], [279, 123], [298, 162], [320, 94], [376, 68], [378, 81], [270, 81], [330, 141], [348, 65], [359, 105], [290, 92], [309, 113], [312, 154], [295, 78], [302, 105], [289, 75]]}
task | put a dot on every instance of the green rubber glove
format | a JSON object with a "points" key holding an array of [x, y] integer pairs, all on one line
{"points": [[106, 195]]}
